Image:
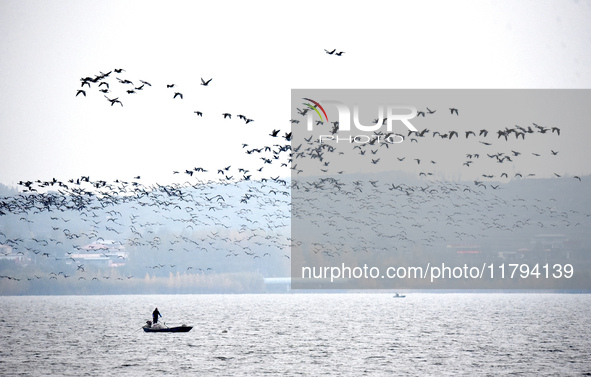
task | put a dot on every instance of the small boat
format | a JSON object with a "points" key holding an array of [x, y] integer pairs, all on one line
{"points": [[399, 296], [157, 327]]}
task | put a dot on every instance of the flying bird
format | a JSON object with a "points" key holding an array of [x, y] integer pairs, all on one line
{"points": [[114, 101], [205, 83]]}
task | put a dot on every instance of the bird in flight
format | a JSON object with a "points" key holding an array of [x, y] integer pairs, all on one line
{"points": [[114, 101], [204, 83], [80, 91], [177, 94], [453, 110], [330, 52]]}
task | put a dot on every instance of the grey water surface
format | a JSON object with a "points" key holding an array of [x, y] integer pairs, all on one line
{"points": [[298, 335]]}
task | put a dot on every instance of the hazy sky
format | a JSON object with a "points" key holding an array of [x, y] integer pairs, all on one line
{"points": [[255, 52]]}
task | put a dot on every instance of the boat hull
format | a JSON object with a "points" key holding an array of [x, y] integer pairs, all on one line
{"points": [[169, 329]]}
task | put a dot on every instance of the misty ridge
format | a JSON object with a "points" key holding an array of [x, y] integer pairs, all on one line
{"points": [[173, 239], [375, 219], [205, 238], [156, 242]]}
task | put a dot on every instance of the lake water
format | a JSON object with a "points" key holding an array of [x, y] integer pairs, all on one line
{"points": [[298, 335]]}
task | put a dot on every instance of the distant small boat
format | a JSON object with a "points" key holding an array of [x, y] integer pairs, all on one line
{"points": [[399, 296], [157, 327]]}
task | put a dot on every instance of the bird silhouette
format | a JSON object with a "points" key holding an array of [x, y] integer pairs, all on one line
{"points": [[114, 101], [205, 83]]}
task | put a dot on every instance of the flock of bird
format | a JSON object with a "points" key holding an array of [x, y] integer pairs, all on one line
{"points": [[333, 52], [233, 211], [343, 209], [217, 214], [340, 216], [179, 228], [119, 87], [378, 148]]}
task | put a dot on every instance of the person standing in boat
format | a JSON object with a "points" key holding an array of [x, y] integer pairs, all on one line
{"points": [[155, 315]]}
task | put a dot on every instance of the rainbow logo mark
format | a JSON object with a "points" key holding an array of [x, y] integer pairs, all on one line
{"points": [[315, 108]]}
